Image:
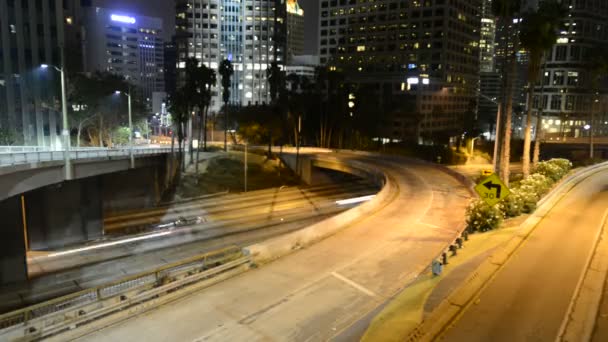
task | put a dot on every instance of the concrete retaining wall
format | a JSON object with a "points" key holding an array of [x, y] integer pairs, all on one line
{"points": [[277, 247]]}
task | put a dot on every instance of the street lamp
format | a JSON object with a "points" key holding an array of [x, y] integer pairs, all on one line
{"points": [[497, 126], [65, 131], [131, 158]]}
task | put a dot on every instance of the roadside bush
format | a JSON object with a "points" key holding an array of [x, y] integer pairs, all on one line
{"points": [[482, 217], [536, 183], [565, 164], [554, 169], [512, 205], [529, 197]]}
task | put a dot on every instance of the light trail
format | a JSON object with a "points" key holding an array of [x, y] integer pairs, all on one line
{"points": [[355, 200], [108, 244]]}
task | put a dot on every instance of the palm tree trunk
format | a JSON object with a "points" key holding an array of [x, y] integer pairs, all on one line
{"points": [[225, 127], [528, 132], [539, 126], [204, 124], [198, 149], [508, 112]]}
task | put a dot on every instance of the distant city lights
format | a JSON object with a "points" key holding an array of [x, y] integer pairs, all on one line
{"points": [[122, 19]]}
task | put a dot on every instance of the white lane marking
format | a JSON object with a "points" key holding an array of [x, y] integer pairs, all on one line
{"points": [[108, 244], [577, 289], [353, 284], [438, 228]]}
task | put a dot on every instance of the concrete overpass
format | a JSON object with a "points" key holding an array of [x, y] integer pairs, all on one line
{"points": [[41, 209]]}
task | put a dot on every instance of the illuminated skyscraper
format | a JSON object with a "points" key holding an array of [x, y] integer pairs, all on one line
{"points": [[295, 30], [426, 52], [250, 33], [568, 98], [126, 44]]}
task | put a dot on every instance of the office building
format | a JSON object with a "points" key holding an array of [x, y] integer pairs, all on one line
{"points": [[251, 34], [127, 44], [295, 30], [488, 34], [426, 52], [31, 34], [170, 68], [568, 97]]}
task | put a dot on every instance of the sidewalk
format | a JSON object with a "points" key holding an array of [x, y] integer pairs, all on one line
{"points": [[405, 311]]}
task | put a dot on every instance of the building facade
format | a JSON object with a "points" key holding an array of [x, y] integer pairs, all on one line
{"points": [[426, 52], [126, 44], [568, 98], [31, 34], [249, 33], [295, 30]]}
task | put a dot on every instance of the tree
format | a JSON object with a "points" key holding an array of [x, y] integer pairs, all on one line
{"points": [[226, 71], [506, 10], [598, 67], [90, 99], [276, 81], [190, 93], [179, 107], [205, 79], [538, 33]]}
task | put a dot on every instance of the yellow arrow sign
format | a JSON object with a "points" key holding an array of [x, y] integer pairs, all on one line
{"points": [[491, 189], [486, 172]]}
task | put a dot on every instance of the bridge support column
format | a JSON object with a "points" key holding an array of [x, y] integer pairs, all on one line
{"points": [[13, 266], [64, 214]]}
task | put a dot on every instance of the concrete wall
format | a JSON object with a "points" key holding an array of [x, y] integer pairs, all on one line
{"points": [[12, 245], [63, 214]]}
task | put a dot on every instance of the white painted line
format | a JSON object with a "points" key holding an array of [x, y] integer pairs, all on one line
{"points": [[577, 289], [108, 244], [353, 284], [355, 200]]}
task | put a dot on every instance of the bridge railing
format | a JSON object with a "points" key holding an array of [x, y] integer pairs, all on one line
{"points": [[37, 156], [123, 296]]}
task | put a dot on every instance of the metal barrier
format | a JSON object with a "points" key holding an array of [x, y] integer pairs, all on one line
{"points": [[77, 309], [27, 157]]}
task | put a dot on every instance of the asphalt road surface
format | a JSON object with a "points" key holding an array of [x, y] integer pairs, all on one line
{"points": [[234, 219], [529, 297], [318, 291]]}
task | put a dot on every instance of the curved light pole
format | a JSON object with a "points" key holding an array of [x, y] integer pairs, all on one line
{"points": [[131, 158], [65, 131]]}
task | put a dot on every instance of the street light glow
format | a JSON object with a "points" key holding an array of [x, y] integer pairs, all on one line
{"points": [[117, 92], [44, 66]]}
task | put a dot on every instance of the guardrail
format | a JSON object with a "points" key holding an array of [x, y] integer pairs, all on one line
{"points": [[81, 308], [17, 158]]}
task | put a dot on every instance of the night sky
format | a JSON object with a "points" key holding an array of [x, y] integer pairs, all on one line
{"points": [[166, 10]]}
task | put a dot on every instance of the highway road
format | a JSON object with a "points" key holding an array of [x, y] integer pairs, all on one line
{"points": [[318, 291], [231, 219], [528, 299]]}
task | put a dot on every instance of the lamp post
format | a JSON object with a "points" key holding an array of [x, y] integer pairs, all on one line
{"points": [[131, 158], [65, 131], [497, 126]]}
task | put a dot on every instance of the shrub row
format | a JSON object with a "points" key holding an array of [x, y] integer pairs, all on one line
{"points": [[523, 198]]}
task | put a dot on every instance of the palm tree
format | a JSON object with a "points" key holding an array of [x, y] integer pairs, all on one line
{"points": [[507, 11], [204, 79], [276, 81], [538, 33], [226, 70], [190, 93], [180, 113], [598, 66]]}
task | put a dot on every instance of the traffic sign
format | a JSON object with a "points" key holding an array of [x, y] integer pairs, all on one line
{"points": [[486, 172], [491, 189]]}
